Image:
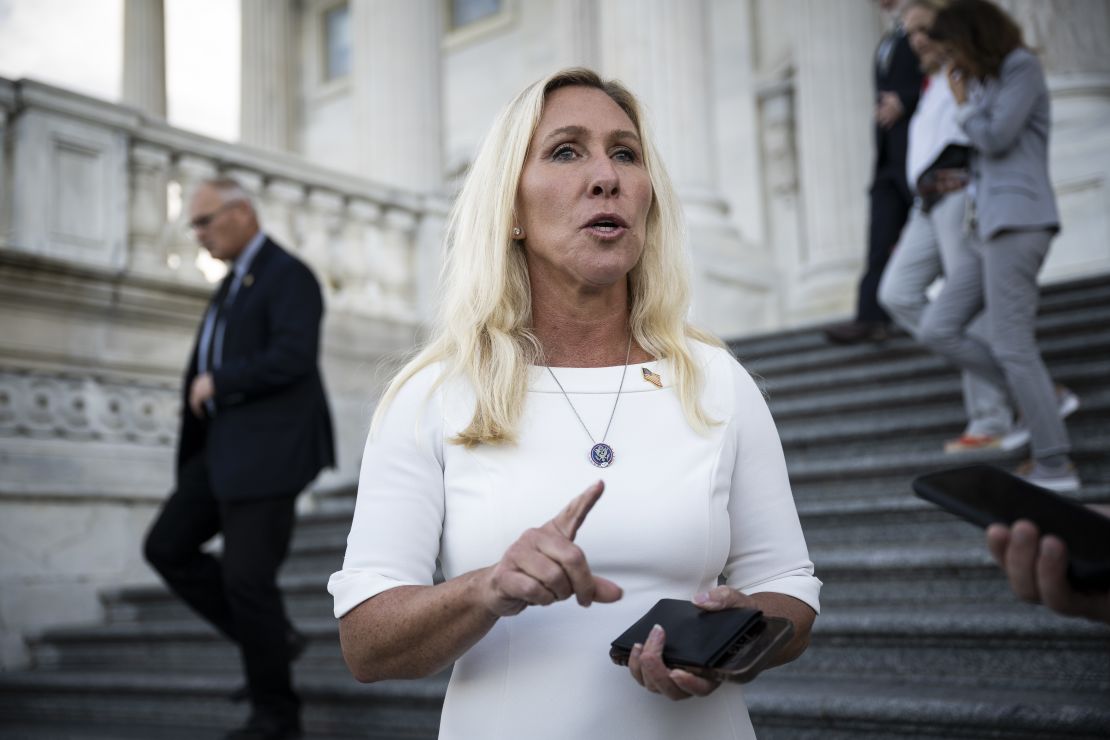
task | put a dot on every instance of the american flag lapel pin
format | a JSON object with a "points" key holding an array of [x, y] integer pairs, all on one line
{"points": [[652, 378]]}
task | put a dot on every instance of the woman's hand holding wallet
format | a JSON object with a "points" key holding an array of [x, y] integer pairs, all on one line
{"points": [[544, 565], [645, 661]]}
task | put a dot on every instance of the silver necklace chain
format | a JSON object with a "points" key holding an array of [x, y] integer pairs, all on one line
{"points": [[624, 371]]}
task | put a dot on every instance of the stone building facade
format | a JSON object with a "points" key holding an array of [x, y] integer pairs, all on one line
{"points": [[358, 117]]}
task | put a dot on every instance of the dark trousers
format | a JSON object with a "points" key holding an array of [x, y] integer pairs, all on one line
{"points": [[890, 207], [237, 592]]}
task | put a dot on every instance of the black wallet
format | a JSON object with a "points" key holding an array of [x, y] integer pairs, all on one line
{"points": [[729, 645]]}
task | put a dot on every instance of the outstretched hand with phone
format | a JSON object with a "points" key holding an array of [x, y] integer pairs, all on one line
{"points": [[1036, 567]]}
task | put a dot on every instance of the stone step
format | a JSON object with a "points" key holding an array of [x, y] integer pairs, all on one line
{"points": [[918, 423], [1063, 298], [903, 365], [973, 642], [1084, 374], [792, 708], [922, 577], [897, 520], [857, 463], [306, 598], [166, 702], [1056, 333], [964, 647], [189, 646]]}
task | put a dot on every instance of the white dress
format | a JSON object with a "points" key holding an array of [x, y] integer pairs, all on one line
{"points": [[679, 509]]}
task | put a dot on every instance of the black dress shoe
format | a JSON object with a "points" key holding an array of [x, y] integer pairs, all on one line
{"points": [[267, 727], [857, 332], [295, 641]]}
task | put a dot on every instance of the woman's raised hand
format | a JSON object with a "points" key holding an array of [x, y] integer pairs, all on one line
{"points": [[544, 565]]}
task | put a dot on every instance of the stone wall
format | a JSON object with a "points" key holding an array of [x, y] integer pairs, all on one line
{"points": [[101, 292]]}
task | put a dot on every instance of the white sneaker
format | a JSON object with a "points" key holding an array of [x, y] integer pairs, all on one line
{"points": [[1067, 403], [1064, 481], [1016, 438]]}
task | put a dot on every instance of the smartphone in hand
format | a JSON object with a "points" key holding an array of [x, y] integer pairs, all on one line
{"points": [[985, 495]]}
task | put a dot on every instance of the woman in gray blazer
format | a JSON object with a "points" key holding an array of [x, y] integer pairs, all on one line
{"points": [[1003, 107]]}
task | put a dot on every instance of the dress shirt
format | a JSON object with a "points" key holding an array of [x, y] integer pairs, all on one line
{"points": [[239, 270], [933, 127]]}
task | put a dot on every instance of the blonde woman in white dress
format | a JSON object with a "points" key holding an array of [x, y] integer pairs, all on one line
{"points": [[570, 450]]}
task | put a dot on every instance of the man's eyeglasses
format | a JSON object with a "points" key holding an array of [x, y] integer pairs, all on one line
{"points": [[201, 222]]}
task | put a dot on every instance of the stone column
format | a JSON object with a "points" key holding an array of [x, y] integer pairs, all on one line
{"points": [[359, 245], [325, 219], [5, 193], [576, 33], [144, 56], [661, 50], [149, 232], [834, 49], [396, 73], [267, 55], [1070, 37], [182, 253]]}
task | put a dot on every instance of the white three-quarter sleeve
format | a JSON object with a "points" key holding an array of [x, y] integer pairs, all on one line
{"points": [[398, 517], [768, 551]]}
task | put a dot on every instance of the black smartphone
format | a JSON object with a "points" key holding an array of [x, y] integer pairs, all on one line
{"points": [[985, 495]]}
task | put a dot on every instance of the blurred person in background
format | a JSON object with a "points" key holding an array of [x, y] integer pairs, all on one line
{"points": [[934, 240], [1003, 108], [897, 87], [255, 431]]}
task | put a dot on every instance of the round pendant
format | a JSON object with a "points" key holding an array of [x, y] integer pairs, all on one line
{"points": [[601, 455]]}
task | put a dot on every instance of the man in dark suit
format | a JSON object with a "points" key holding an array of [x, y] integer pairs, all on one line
{"points": [[255, 431], [898, 80]]}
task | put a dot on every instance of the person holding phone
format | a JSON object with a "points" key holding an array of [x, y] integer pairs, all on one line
{"points": [[1003, 108], [1037, 568], [562, 357]]}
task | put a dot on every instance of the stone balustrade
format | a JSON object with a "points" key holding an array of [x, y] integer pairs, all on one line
{"points": [[100, 186]]}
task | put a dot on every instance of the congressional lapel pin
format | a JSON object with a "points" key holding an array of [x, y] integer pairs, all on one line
{"points": [[652, 378], [248, 280]]}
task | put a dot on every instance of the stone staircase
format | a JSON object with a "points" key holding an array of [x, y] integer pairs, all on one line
{"points": [[919, 636]]}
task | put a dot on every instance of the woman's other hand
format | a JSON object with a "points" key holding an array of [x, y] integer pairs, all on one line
{"points": [[645, 662], [544, 565]]}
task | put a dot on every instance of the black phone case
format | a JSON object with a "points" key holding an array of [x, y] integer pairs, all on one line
{"points": [[985, 495], [729, 645]]}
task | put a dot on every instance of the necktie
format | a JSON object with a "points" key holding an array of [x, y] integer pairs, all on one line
{"points": [[211, 319]]}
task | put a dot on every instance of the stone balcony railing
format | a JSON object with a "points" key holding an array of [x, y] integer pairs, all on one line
{"points": [[101, 186]]}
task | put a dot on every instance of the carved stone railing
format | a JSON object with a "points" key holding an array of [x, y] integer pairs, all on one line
{"points": [[98, 185]]}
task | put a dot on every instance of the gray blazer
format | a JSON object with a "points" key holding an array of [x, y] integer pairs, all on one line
{"points": [[1008, 120]]}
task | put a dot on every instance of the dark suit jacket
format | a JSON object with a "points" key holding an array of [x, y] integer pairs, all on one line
{"points": [[272, 431], [901, 75]]}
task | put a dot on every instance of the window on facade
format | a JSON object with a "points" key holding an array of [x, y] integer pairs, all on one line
{"points": [[337, 42], [465, 12]]}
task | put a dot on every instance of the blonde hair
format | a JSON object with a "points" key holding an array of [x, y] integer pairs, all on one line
{"points": [[484, 330]]}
